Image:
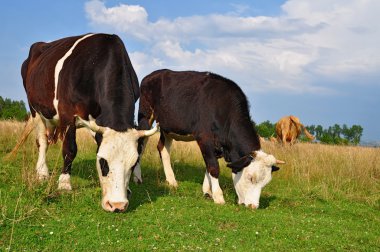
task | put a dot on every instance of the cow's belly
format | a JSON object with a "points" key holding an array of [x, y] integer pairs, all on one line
{"points": [[184, 138]]}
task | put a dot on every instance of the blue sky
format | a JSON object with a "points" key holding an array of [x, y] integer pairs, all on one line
{"points": [[318, 60]]}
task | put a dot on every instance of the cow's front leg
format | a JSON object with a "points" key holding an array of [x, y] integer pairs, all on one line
{"points": [[163, 147], [212, 173], [137, 178], [206, 187], [69, 151], [42, 145]]}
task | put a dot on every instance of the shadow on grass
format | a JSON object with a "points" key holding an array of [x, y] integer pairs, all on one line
{"points": [[85, 169], [266, 200]]}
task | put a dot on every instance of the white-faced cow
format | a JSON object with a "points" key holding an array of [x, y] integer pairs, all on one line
{"points": [[213, 111], [71, 81]]}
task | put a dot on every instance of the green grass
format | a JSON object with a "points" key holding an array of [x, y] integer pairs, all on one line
{"points": [[297, 212]]}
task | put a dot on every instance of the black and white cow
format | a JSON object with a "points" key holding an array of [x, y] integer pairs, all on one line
{"points": [[213, 111], [71, 81]]}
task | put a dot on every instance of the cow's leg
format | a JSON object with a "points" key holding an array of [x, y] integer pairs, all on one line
{"points": [[137, 178], [42, 145], [163, 147], [206, 187], [145, 121], [69, 151], [212, 173], [284, 136]]}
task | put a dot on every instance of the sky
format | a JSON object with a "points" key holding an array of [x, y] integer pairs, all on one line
{"points": [[318, 60]]}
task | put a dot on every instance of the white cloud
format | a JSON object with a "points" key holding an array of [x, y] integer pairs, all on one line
{"points": [[310, 40]]}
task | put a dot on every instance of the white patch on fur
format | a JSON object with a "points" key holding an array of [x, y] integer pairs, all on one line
{"points": [[217, 193], [119, 149], [58, 68], [41, 167], [252, 179], [165, 156], [64, 182]]}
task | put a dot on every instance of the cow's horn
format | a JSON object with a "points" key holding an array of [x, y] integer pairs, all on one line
{"points": [[144, 133], [91, 124], [280, 162]]}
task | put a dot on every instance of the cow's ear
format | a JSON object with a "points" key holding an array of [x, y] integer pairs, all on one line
{"points": [[239, 164]]}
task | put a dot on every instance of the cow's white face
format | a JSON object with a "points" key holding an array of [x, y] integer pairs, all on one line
{"points": [[250, 181], [116, 156]]}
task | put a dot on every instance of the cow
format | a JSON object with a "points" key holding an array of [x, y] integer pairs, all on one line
{"points": [[289, 128], [213, 111], [86, 81]]}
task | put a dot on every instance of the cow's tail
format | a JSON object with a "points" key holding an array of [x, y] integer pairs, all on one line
{"points": [[29, 126], [307, 133], [296, 121]]}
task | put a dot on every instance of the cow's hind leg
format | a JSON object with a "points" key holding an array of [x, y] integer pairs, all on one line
{"points": [[69, 151], [42, 145], [212, 173], [163, 147]]}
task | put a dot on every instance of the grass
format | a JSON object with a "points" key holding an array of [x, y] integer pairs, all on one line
{"points": [[324, 198]]}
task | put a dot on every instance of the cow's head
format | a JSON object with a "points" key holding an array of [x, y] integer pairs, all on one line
{"points": [[117, 154], [250, 180]]}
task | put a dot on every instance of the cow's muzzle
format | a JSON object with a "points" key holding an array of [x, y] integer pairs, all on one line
{"points": [[116, 207]]}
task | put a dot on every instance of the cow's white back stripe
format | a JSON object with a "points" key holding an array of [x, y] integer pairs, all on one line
{"points": [[58, 69]]}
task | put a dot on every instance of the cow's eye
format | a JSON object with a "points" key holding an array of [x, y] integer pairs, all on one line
{"points": [[104, 167]]}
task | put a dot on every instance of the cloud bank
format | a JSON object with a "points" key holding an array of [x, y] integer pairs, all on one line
{"points": [[310, 42]]}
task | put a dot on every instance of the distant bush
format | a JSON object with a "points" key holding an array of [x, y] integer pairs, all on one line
{"points": [[15, 110]]}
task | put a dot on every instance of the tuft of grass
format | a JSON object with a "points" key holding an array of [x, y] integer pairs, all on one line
{"points": [[323, 198]]}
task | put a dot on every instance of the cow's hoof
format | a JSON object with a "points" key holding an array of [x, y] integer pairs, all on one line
{"points": [[219, 201], [137, 180], [207, 195], [43, 173], [64, 182], [252, 206], [42, 177], [64, 186], [172, 184]]}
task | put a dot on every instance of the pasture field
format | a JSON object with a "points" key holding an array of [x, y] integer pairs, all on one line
{"points": [[325, 198]]}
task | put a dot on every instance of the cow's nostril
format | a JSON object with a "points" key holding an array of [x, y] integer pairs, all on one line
{"points": [[109, 204], [119, 207]]}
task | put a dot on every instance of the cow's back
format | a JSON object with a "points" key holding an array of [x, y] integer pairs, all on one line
{"points": [[182, 100], [89, 74]]}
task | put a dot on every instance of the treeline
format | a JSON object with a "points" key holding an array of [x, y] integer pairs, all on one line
{"points": [[15, 110], [336, 134]]}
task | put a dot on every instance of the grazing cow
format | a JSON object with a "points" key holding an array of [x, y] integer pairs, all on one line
{"points": [[213, 111], [288, 129], [71, 80]]}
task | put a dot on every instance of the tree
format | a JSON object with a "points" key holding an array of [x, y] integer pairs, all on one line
{"points": [[266, 129], [12, 109], [353, 134]]}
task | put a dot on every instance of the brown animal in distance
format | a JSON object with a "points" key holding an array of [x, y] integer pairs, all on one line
{"points": [[289, 128]]}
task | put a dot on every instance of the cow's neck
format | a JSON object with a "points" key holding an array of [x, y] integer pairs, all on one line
{"points": [[117, 114], [242, 143]]}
